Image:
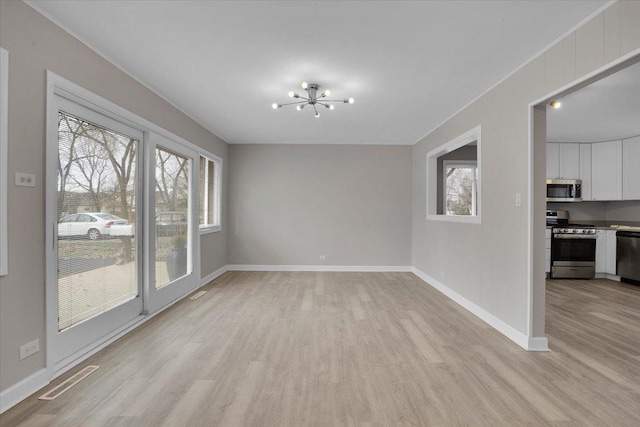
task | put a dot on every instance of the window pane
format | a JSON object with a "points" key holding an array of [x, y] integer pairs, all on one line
{"points": [[96, 173], [172, 219], [460, 190]]}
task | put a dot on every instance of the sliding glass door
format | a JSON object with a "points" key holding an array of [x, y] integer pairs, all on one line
{"points": [[173, 225], [98, 281]]}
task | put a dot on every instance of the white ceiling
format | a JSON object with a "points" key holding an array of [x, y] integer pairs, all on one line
{"points": [[409, 65], [606, 110]]}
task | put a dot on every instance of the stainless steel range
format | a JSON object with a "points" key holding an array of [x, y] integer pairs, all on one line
{"points": [[573, 251]]}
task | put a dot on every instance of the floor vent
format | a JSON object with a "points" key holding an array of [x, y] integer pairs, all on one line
{"points": [[198, 294], [66, 385]]}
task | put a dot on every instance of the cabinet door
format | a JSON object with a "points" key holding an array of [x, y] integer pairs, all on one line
{"points": [[601, 251], [611, 252], [631, 169], [553, 159], [606, 170], [585, 170], [569, 161]]}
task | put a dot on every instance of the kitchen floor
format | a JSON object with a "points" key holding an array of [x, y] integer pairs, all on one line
{"points": [[334, 349]]}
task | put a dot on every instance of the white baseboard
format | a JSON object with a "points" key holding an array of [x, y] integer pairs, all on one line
{"points": [[23, 389], [208, 278], [338, 268], [528, 343]]}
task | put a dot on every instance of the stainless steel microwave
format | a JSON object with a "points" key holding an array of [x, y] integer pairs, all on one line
{"points": [[564, 190]]}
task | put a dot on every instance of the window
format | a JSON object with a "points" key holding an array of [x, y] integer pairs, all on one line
{"points": [[454, 179], [460, 187], [210, 177]]}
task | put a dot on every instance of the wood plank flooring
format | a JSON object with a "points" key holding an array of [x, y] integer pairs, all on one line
{"points": [[357, 349]]}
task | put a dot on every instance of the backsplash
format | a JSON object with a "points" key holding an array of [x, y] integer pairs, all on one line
{"points": [[625, 211]]}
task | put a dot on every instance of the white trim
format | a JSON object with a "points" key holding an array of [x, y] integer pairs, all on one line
{"points": [[210, 277], [538, 344], [23, 389], [527, 62], [337, 268], [4, 164], [528, 343]]}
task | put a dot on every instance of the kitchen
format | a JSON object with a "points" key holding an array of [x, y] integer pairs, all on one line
{"points": [[593, 181]]}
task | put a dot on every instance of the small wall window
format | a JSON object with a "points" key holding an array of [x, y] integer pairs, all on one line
{"points": [[453, 179], [460, 193], [210, 184]]}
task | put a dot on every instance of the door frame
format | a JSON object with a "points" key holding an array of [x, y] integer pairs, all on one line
{"points": [[57, 85], [537, 194]]}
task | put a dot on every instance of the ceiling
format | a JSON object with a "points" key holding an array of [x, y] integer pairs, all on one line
{"points": [[606, 110], [409, 65]]}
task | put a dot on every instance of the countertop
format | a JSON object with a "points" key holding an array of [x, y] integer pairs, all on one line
{"points": [[606, 225]]}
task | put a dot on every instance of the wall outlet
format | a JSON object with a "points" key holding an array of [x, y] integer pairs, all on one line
{"points": [[25, 179], [29, 349], [323, 257]]}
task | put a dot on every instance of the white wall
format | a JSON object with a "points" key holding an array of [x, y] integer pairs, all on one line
{"points": [[487, 263], [289, 204], [35, 45]]}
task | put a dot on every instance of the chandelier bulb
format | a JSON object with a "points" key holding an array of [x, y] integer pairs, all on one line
{"points": [[299, 107], [351, 100], [304, 85], [292, 94], [331, 107], [327, 92], [275, 106], [317, 115]]}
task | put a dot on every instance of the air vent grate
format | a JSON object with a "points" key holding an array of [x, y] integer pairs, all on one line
{"points": [[198, 295], [66, 385]]}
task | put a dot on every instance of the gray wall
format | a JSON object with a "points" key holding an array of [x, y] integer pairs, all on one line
{"points": [[35, 44], [289, 204], [490, 265]]}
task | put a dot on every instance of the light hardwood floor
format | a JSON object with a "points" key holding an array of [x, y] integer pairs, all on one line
{"points": [[357, 349]]}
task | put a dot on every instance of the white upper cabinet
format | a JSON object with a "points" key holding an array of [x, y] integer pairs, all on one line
{"points": [[563, 161], [606, 171], [553, 161], [631, 169], [569, 161], [585, 170]]}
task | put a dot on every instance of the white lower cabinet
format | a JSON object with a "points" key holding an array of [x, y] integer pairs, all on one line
{"points": [[601, 251], [611, 252], [606, 252], [547, 251]]}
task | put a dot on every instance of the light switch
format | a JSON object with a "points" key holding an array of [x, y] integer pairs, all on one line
{"points": [[25, 179], [518, 199]]}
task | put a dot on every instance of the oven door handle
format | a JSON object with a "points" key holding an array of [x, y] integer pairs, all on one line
{"points": [[575, 236]]}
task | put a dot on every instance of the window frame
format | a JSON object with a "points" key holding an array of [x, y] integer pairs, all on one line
{"points": [[466, 138], [461, 164], [217, 193]]}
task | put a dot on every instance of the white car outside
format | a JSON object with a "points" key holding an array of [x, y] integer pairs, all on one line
{"points": [[90, 224]]}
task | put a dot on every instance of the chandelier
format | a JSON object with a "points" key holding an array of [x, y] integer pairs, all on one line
{"points": [[312, 99]]}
